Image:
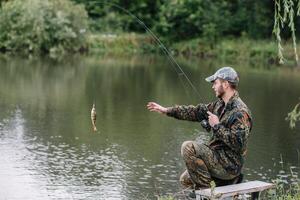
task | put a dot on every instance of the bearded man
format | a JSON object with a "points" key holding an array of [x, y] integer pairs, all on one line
{"points": [[229, 119]]}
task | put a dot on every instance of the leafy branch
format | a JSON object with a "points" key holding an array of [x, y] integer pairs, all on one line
{"points": [[284, 16], [294, 116]]}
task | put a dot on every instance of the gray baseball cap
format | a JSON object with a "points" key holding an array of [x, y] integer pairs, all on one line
{"points": [[226, 73]]}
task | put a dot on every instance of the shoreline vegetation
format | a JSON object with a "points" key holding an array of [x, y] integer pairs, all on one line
{"points": [[240, 49], [230, 50], [65, 27]]}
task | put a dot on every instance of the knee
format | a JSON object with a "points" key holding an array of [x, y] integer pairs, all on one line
{"points": [[187, 149], [182, 177], [185, 180]]}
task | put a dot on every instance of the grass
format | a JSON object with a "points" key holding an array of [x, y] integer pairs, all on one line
{"points": [[284, 190], [242, 49], [126, 43]]}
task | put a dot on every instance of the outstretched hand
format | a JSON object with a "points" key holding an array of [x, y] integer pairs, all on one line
{"points": [[212, 119], [154, 107]]}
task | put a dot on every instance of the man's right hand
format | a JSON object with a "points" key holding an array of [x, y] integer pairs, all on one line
{"points": [[154, 107]]}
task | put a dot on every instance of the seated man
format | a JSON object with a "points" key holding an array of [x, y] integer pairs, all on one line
{"points": [[230, 121]]}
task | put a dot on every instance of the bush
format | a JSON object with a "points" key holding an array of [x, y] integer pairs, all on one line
{"points": [[42, 26]]}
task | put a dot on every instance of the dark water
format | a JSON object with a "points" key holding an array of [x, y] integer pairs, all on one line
{"points": [[48, 150]]}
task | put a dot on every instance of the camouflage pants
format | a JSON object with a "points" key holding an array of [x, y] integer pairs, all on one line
{"points": [[201, 165]]}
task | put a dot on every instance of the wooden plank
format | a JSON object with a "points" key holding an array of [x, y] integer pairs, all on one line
{"points": [[232, 190]]}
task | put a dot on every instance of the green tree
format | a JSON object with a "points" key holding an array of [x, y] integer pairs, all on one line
{"points": [[110, 15], [185, 19], [259, 22], [285, 11], [42, 26]]}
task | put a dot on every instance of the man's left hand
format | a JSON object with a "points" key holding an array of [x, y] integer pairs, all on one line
{"points": [[212, 119]]}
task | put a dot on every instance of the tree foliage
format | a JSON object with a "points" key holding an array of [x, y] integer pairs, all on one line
{"points": [[42, 26], [172, 19], [181, 19], [284, 14], [185, 19], [110, 15], [294, 116]]}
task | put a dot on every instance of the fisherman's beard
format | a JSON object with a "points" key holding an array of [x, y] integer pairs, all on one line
{"points": [[220, 92]]}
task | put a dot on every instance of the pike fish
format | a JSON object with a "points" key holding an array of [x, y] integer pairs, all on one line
{"points": [[93, 117]]}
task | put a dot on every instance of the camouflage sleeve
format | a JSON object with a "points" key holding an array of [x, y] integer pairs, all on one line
{"points": [[237, 135], [190, 113]]}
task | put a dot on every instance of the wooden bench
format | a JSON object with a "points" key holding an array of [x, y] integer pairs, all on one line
{"points": [[251, 187]]}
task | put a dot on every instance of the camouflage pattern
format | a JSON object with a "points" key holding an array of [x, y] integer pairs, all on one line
{"points": [[223, 156], [225, 73], [202, 165]]}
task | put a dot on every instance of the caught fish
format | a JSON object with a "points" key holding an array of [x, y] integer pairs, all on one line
{"points": [[93, 117]]}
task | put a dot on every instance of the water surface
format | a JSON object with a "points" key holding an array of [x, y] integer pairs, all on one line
{"points": [[48, 149]]}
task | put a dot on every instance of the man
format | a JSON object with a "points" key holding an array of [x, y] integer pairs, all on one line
{"points": [[230, 121]]}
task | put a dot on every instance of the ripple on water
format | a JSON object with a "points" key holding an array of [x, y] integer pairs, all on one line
{"points": [[63, 170], [56, 166]]}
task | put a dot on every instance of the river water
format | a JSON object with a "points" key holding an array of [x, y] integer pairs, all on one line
{"points": [[49, 151]]}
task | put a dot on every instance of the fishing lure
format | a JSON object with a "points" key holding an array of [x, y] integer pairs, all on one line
{"points": [[94, 117]]}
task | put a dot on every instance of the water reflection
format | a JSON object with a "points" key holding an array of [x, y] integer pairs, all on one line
{"points": [[53, 169], [50, 152]]}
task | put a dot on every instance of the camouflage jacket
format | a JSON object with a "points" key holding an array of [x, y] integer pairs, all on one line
{"points": [[230, 136]]}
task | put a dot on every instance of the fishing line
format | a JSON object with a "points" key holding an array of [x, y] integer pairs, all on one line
{"points": [[94, 88], [175, 65]]}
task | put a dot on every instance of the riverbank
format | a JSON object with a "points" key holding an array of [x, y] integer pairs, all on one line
{"points": [[242, 49]]}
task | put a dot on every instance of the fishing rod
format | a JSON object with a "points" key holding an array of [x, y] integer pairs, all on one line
{"points": [[174, 64]]}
